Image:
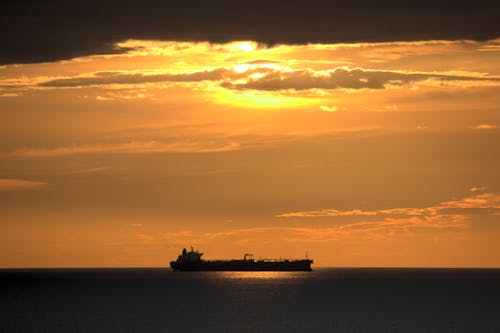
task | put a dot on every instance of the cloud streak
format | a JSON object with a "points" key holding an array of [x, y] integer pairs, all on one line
{"points": [[341, 77], [129, 147], [477, 203], [269, 78], [108, 78], [374, 230], [13, 184], [389, 224]]}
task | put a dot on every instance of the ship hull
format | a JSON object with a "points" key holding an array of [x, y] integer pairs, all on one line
{"points": [[243, 265]]}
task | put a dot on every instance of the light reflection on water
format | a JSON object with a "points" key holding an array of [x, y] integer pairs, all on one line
{"points": [[262, 275]]}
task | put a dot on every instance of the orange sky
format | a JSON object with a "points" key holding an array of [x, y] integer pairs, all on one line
{"points": [[368, 154]]}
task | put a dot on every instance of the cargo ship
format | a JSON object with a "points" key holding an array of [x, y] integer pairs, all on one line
{"points": [[191, 261]]}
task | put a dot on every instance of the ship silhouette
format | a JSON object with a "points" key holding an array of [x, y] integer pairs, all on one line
{"points": [[191, 261]]}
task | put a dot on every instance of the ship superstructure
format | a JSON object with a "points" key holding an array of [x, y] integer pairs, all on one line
{"points": [[191, 261]]}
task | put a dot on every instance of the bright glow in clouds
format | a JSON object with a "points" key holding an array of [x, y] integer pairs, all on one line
{"points": [[242, 46], [123, 159]]}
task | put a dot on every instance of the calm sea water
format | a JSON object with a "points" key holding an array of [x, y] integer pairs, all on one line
{"points": [[325, 300]]}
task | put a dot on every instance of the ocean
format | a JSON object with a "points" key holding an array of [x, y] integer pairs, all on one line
{"points": [[324, 300]]}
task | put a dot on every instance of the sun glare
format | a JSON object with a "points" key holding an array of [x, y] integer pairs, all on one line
{"points": [[255, 99], [241, 68], [242, 46]]}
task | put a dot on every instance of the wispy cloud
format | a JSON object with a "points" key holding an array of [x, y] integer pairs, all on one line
{"points": [[485, 126], [329, 212], [12, 184], [109, 78], [389, 224], [487, 203], [385, 229], [10, 94], [374, 230], [98, 169], [129, 147], [327, 108]]}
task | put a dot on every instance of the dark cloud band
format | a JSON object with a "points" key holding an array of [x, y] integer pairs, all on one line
{"points": [[48, 30], [269, 80]]}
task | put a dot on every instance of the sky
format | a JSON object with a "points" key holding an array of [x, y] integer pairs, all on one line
{"points": [[363, 134]]}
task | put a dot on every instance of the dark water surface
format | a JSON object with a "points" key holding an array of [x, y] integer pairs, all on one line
{"points": [[325, 300]]}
